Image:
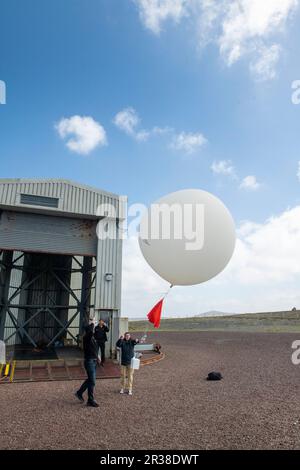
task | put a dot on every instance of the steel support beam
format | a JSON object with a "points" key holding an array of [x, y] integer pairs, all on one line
{"points": [[6, 266], [86, 286]]}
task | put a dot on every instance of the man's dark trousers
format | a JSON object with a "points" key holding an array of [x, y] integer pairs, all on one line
{"points": [[101, 345], [90, 367]]}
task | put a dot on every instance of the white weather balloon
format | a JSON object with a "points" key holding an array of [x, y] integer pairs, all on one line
{"points": [[192, 245]]}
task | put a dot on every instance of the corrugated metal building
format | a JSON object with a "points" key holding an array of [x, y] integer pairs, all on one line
{"points": [[61, 256]]}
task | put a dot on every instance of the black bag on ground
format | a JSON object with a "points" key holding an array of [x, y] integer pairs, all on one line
{"points": [[214, 376]]}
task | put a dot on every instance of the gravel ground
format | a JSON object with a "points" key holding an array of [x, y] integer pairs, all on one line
{"points": [[255, 406]]}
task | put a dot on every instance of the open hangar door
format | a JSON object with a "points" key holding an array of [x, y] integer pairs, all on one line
{"points": [[53, 267], [48, 290]]}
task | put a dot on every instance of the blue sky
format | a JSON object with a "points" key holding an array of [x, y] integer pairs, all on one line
{"points": [[226, 90]]}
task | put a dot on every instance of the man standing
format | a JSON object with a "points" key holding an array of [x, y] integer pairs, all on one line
{"points": [[126, 345], [90, 349], [101, 338]]}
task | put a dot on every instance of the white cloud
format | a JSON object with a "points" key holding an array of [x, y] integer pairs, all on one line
{"points": [[239, 28], [162, 130], [127, 120], [268, 252], [154, 12], [142, 136], [264, 67], [250, 21], [140, 285], [188, 142], [137, 274], [263, 275], [223, 167], [208, 15], [245, 28], [250, 183], [88, 133], [226, 168]]}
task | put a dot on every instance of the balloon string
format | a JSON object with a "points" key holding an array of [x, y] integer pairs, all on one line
{"points": [[168, 291]]}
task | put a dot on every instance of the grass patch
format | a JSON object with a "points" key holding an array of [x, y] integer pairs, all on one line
{"points": [[273, 322]]}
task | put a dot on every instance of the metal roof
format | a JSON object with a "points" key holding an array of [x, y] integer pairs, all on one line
{"points": [[59, 197]]}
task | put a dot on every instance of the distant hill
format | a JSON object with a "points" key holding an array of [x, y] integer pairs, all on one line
{"points": [[282, 321], [214, 313], [211, 313]]}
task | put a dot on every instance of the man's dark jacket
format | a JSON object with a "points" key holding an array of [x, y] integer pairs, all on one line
{"points": [[127, 350], [100, 333], [90, 346]]}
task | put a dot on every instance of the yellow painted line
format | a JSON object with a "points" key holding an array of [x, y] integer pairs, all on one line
{"points": [[6, 370], [12, 371]]}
